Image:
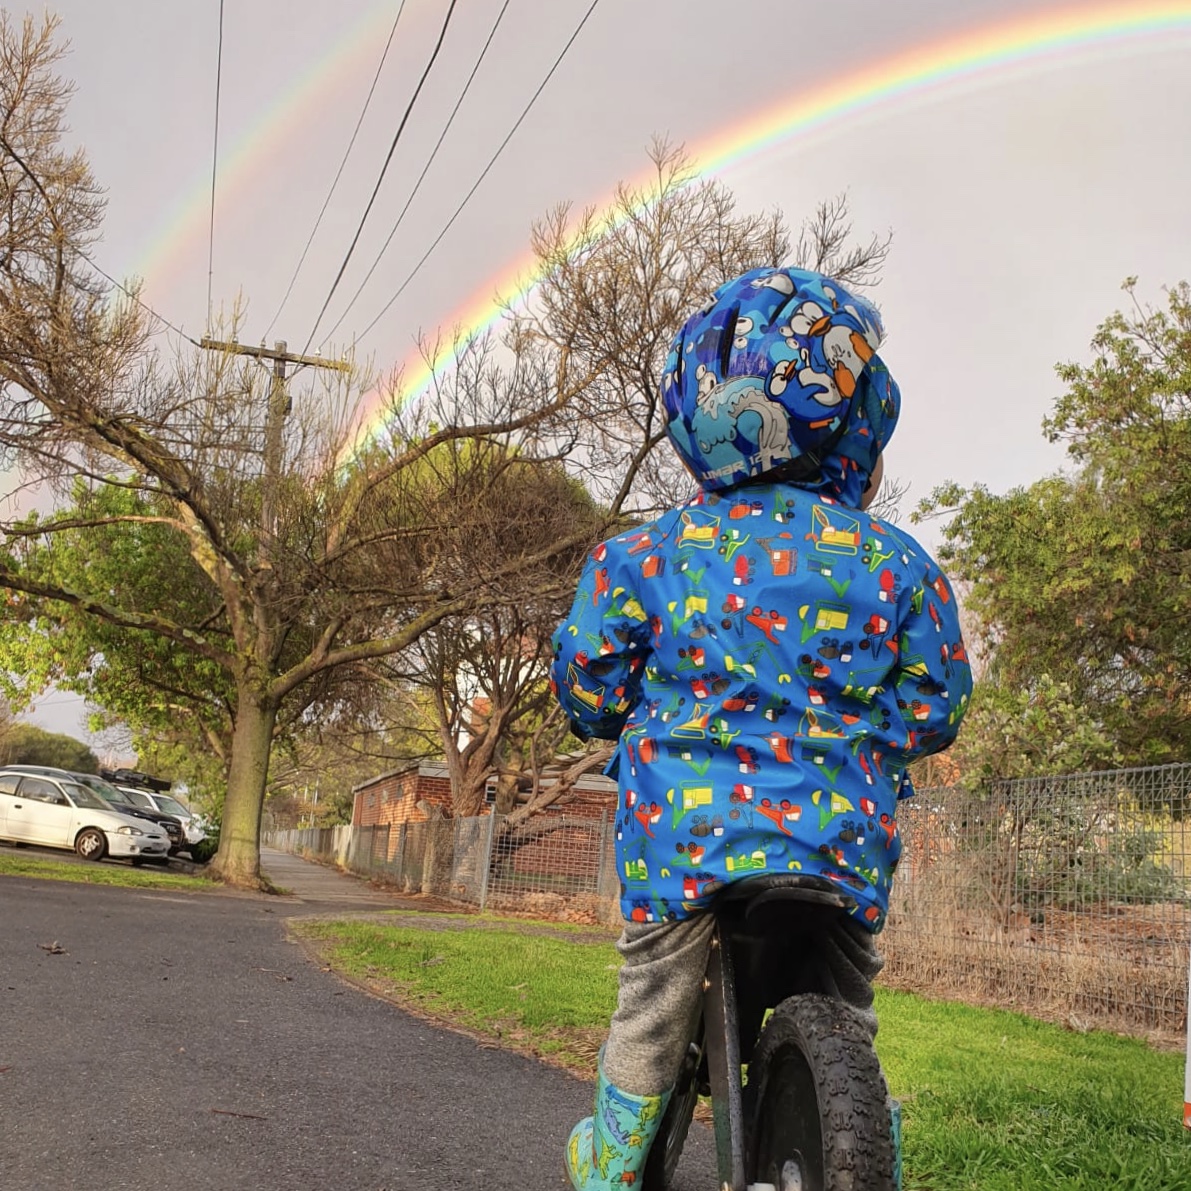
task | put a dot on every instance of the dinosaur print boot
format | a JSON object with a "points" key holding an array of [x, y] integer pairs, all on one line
{"points": [[608, 1150]]}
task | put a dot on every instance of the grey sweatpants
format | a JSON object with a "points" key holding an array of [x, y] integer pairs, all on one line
{"points": [[661, 986]]}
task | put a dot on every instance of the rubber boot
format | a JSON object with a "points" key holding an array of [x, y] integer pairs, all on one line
{"points": [[608, 1150]]}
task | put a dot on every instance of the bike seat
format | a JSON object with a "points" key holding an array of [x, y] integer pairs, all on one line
{"points": [[753, 893]]}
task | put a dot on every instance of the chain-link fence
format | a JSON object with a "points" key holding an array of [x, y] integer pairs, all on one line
{"points": [[1067, 897], [555, 865]]}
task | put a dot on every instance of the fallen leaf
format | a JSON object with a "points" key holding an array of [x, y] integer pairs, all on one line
{"points": [[54, 948], [274, 972]]}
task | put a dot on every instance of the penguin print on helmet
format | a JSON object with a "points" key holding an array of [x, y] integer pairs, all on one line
{"points": [[780, 377]]}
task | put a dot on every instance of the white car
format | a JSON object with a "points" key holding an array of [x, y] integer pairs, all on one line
{"points": [[194, 827], [58, 813]]}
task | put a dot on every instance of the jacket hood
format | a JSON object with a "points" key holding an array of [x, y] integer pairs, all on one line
{"points": [[778, 377]]}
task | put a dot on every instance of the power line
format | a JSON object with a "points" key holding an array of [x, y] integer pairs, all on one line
{"points": [[422, 175], [467, 197], [339, 172], [135, 297], [214, 164], [384, 168]]}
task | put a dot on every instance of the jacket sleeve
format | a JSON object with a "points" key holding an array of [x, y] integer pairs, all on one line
{"points": [[600, 649], [932, 678]]}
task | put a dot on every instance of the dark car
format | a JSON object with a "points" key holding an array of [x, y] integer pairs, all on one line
{"points": [[115, 798]]}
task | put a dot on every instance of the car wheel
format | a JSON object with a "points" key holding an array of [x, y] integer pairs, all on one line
{"points": [[91, 844]]}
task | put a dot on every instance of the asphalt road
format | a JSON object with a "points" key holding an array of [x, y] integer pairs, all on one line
{"points": [[180, 1041]]}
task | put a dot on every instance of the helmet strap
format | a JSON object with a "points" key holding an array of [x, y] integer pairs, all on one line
{"points": [[806, 468]]}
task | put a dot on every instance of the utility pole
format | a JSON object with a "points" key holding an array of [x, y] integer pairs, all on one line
{"points": [[279, 408]]}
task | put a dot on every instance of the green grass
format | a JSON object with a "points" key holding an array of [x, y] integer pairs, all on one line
{"points": [[992, 1101], [1001, 1102], [543, 994], [488, 920], [97, 874]]}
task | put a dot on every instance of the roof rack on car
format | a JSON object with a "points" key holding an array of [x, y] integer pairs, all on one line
{"points": [[133, 777]]}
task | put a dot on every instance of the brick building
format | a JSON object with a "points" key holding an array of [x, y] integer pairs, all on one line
{"points": [[410, 795]]}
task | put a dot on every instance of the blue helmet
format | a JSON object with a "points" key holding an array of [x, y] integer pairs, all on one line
{"points": [[779, 377]]}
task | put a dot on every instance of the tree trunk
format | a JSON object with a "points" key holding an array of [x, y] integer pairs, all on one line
{"points": [[467, 795], [238, 861]]}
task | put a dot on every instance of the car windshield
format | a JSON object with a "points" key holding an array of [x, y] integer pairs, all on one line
{"points": [[81, 796], [137, 799], [172, 806], [105, 790]]}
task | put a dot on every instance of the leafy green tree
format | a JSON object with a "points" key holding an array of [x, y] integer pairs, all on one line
{"points": [[27, 744], [482, 679], [1084, 579], [1028, 732], [122, 545]]}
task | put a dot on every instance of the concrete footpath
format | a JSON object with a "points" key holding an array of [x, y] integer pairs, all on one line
{"points": [[315, 885]]}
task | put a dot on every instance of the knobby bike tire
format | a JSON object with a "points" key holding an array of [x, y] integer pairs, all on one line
{"points": [[816, 1103], [662, 1162]]}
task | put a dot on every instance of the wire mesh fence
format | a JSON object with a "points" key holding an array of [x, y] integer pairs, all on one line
{"points": [[1066, 897], [557, 865]]}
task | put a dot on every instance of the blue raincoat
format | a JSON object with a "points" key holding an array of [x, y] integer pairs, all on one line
{"points": [[770, 660]]}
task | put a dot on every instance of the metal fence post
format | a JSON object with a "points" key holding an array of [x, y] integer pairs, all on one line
{"points": [[487, 859], [399, 858], [602, 857], [1187, 1068]]}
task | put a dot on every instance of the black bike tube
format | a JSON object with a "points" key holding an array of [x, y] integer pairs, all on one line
{"points": [[723, 1064]]}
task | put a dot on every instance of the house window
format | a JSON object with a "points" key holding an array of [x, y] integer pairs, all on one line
{"points": [[490, 792]]}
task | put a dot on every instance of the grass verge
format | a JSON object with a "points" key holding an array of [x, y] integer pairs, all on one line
{"points": [[993, 1101], [537, 993], [98, 874]]}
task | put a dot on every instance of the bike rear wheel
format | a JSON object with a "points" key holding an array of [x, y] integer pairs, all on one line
{"points": [[816, 1102]]}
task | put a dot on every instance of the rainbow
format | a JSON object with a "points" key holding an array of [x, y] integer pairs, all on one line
{"points": [[352, 56], [1007, 49], [991, 53]]}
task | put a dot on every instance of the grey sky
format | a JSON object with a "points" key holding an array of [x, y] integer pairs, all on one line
{"points": [[1019, 199]]}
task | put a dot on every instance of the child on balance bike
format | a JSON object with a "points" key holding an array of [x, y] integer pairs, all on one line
{"points": [[769, 658]]}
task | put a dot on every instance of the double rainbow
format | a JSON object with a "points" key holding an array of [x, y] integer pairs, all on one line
{"points": [[1018, 46]]}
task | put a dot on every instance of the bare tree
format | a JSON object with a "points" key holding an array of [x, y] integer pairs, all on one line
{"points": [[618, 283], [311, 553], [320, 563]]}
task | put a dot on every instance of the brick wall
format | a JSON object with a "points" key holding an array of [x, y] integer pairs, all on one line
{"points": [[588, 802], [393, 798], [566, 851]]}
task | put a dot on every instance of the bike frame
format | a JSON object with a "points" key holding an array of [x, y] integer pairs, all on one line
{"points": [[743, 980], [721, 1040]]}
